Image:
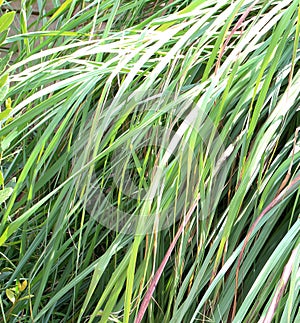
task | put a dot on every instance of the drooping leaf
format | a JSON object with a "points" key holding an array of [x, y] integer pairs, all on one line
{"points": [[10, 295], [23, 285]]}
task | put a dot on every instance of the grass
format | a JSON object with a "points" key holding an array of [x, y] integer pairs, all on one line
{"points": [[150, 162]]}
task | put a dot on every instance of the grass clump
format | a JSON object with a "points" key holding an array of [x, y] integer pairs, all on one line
{"points": [[150, 161]]}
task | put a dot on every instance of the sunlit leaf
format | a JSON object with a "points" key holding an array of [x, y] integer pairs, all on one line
{"points": [[10, 295], [6, 20]]}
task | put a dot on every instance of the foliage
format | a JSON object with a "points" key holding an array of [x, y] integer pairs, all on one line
{"points": [[79, 71]]}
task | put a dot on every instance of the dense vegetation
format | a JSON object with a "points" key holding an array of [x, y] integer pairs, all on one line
{"points": [[150, 161]]}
